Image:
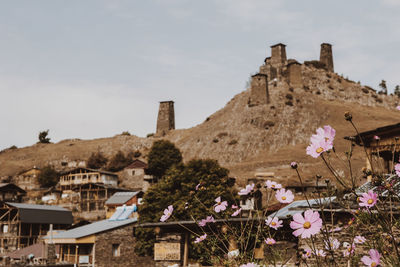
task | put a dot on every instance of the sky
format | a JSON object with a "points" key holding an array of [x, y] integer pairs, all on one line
{"points": [[94, 68]]}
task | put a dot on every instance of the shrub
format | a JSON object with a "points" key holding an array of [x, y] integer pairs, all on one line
{"points": [[43, 139], [96, 161], [233, 142], [150, 135], [162, 156], [118, 162], [126, 133], [48, 176]]}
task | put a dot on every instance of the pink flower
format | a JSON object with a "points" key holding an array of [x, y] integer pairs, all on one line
{"points": [[273, 222], [320, 253], [397, 169], [368, 199], [197, 186], [306, 254], [272, 184], [359, 239], [349, 249], [376, 137], [209, 219], [284, 196], [234, 206], [250, 264], [293, 165], [321, 142], [398, 107], [220, 206], [333, 244], [270, 241], [236, 213], [167, 213], [306, 226], [247, 190], [200, 238], [373, 260]]}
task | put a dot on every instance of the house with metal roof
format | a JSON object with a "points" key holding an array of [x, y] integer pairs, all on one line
{"points": [[22, 225], [120, 199], [80, 176], [103, 243]]}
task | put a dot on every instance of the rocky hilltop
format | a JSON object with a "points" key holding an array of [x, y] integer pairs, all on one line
{"points": [[246, 137]]}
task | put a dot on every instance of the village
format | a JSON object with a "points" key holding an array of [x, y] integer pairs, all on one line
{"points": [[92, 216]]}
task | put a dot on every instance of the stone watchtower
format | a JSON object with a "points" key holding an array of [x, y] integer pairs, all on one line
{"points": [[278, 55], [326, 56], [166, 118], [259, 90]]}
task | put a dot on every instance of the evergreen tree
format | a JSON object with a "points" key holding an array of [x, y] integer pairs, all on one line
{"points": [[397, 90], [48, 176], [383, 87], [43, 139], [178, 188], [163, 155]]}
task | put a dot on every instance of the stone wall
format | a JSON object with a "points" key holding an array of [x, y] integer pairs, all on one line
{"points": [[166, 118], [124, 237], [259, 90], [295, 77]]}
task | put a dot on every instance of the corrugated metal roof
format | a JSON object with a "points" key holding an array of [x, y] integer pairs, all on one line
{"points": [[45, 214], [300, 206], [121, 197], [93, 228]]}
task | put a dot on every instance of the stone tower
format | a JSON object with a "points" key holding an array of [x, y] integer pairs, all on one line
{"points": [[259, 90], [326, 56], [278, 55], [166, 118]]}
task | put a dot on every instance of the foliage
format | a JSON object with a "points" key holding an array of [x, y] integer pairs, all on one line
{"points": [[48, 176], [43, 139], [162, 156], [383, 87], [118, 162], [96, 160], [126, 133], [178, 188], [397, 90]]}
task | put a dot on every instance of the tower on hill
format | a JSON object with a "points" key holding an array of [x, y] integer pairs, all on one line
{"points": [[326, 56], [278, 54], [166, 118], [259, 94]]}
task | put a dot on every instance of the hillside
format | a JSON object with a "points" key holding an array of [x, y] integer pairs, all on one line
{"points": [[242, 138]]}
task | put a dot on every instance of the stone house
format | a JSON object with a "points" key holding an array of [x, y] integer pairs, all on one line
{"points": [[11, 192], [133, 176], [28, 179], [102, 244]]}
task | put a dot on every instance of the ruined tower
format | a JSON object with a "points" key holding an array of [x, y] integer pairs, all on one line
{"points": [[278, 54], [326, 56], [166, 118], [294, 74], [259, 90]]}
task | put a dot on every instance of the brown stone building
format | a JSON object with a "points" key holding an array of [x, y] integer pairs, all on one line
{"points": [[11, 193], [134, 177], [166, 118], [28, 180]]}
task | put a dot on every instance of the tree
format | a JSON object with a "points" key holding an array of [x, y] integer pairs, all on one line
{"points": [[178, 188], [397, 90], [163, 155], [43, 139], [118, 162], [96, 160], [383, 87], [48, 176]]}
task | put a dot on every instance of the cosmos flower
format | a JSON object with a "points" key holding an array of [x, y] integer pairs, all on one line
{"points": [[233, 253], [293, 165], [200, 238], [272, 185], [247, 190], [270, 241], [321, 142], [333, 244], [273, 222], [373, 260], [167, 213], [306, 254], [359, 239], [220, 206], [236, 213], [398, 107], [368, 199], [397, 169], [349, 249], [284, 196], [320, 253], [376, 137], [306, 226], [209, 219]]}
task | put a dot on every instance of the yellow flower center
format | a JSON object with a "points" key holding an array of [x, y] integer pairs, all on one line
{"points": [[283, 198], [273, 223], [319, 150], [350, 222], [307, 225], [370, 201], [373, 264], [326, 139], [273, 186]]}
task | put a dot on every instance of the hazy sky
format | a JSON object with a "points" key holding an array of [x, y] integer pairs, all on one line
{"points": [[89, 69]]}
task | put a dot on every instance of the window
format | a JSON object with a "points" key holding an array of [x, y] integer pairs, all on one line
{"points": [[115, 250], [5, 228], [133, 172]]}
